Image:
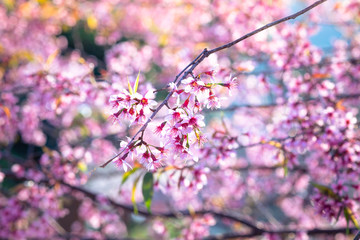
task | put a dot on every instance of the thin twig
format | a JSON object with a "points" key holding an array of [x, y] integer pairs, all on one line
{"points": [[270, 105], [323, 63], [293, 16], [311, 232]]}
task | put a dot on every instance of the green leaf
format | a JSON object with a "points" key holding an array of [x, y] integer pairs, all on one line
{"points": [[326, 191], [82, 166], [284, 161], [148, 190], [349, 215], [136, 82], [187, 140], [126, 175], [130, 89], [286, 170], [133, 195]]}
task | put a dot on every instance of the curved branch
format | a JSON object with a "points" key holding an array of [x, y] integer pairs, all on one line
{"points": [[270, 105], [324, 63], [293, 16], [310, 232], [255, 228]]}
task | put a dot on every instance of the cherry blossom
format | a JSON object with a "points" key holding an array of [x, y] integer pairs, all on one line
{"points": [[201, 133]]}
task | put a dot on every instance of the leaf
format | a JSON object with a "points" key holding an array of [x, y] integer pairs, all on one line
{"points": [[187, 139], [133, 195], [57, 187], [136, 82], [6, 111], [51, 58], [286, 170], [243, 69], [81, 60], [92, 22], [41, 2], [337, 6], [326, 190], [180, 179], [349, 215], [201, 46], [127, 174], [321, 75], [275, 144], [340, 106], [57, 102], [9, 4], [2, 70], [163, 40], [46, 150], [283, 162], [82, 166], [191, 211], [170, 167], [148, 190], [130, 89]]}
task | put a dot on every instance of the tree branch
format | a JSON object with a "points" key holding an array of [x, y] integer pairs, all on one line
{"points": [[293, 16], [310, 232], [270, 105], [255, 228]]}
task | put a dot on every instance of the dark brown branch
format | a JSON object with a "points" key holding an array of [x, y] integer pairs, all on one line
{"points": [[324, 63], [204, 54], [266, 168], [311, 232], [141, 211], [179, 214], [70, 236], [293, 16], [255, 229], [270, 105]]}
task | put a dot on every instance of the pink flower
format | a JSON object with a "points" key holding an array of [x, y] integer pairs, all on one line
{"points": [[145, 103], [174, 116], [145, 158], [158, 130], [213, 101], [116, 100], [193, 86], [196, 121], [154, 163], [122, 164], [231, 84], [115, 117], [140, 117]]}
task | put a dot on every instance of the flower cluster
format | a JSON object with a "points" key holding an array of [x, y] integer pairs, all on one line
{"points": [[182, 125], [132, 106]]}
